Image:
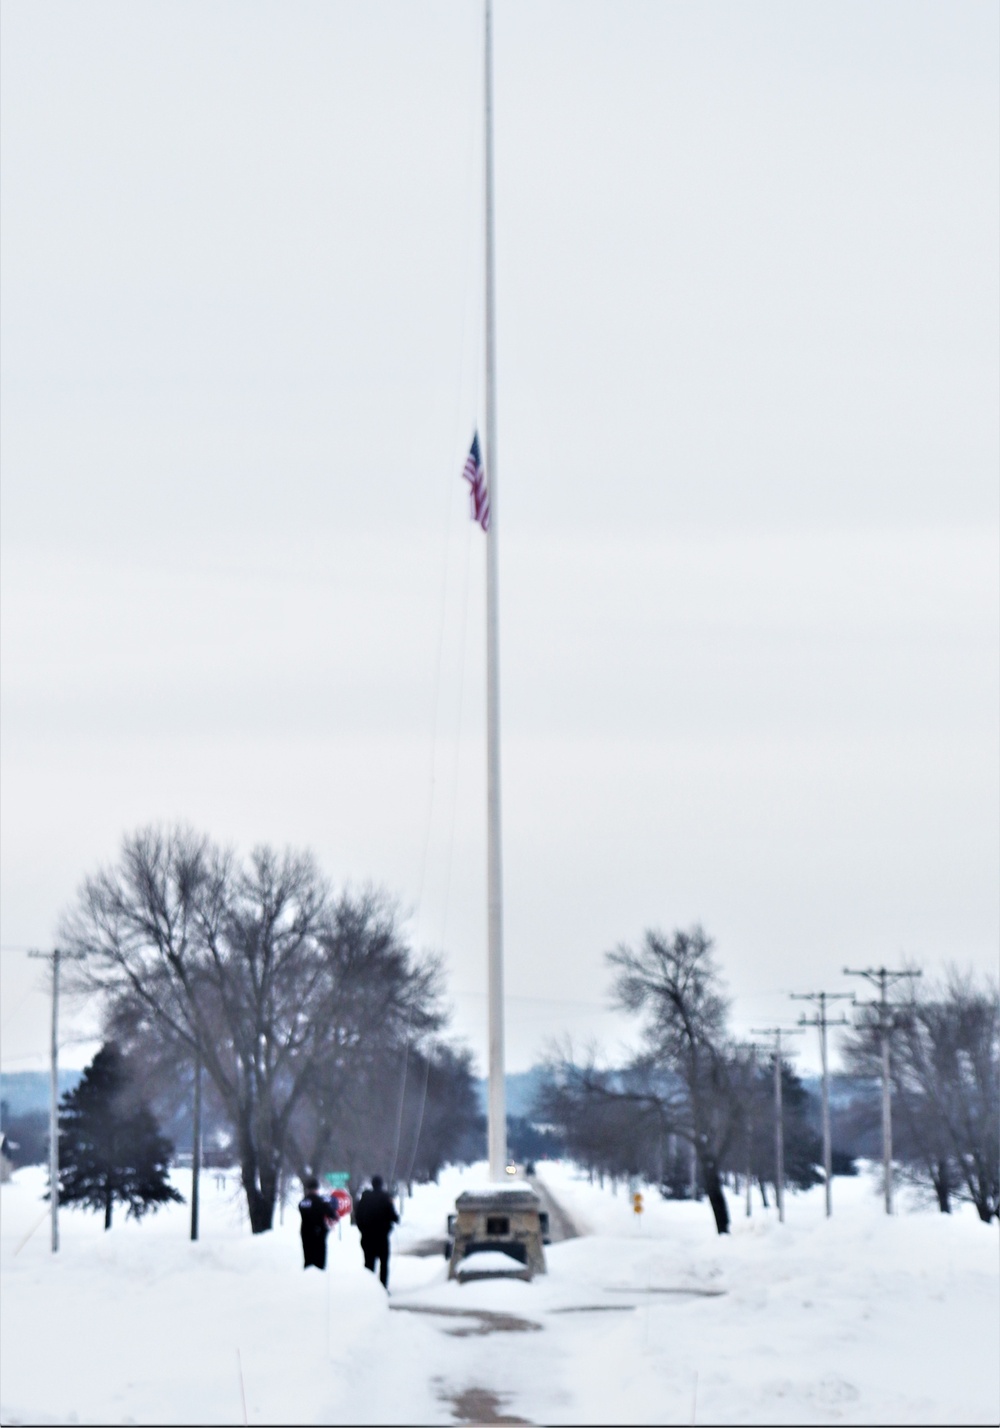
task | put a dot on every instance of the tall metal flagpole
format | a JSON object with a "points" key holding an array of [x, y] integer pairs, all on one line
{"points": [[503, 1216], [497, 1092]]}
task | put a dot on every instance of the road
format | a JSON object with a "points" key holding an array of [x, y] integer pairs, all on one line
{"points": [[561, 1227]]}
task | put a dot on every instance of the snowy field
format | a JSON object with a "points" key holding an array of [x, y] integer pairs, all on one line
{"points": [[653, 1320]]}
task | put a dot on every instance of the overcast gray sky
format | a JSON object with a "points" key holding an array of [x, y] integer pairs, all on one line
{"points": [[748, 459]]}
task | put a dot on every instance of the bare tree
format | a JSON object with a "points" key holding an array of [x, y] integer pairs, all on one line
{"points": [[257, 970], [614, 1121], [385, 1007], [442, 1122], [945, 1087], [949, 1049], [674, 984], [690, 1084]]}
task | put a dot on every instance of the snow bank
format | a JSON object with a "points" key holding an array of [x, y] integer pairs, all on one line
{"points": [[860, 1319]]}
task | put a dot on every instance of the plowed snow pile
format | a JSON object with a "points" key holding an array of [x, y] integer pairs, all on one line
{"points": [[651, 1319]]}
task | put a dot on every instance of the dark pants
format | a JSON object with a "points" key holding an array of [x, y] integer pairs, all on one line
{"points": [[377, 1249], [314, 1249]]}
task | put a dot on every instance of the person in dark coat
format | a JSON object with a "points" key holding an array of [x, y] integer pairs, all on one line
{"points": [[318, 1214], [375, 1216]]}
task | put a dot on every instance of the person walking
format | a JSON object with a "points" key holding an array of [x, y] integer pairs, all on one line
{"points": [[375, 1216], [318, 1214]]}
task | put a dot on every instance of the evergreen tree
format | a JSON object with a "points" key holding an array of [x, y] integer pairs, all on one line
{"points": [[110, 1147], [802, 1144]]}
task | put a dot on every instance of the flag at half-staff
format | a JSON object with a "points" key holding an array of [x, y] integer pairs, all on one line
{"points": [[479, 496]]}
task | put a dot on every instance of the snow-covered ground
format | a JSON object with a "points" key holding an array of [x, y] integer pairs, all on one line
{"points": [[860, 1319]]}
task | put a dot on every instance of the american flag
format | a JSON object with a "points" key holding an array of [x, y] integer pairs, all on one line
{"points": [[479, 496]]}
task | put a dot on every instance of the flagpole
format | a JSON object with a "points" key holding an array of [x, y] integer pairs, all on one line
{"points": [[497, 1091], [504, 1216]]}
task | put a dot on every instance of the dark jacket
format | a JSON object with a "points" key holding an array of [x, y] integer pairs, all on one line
{"points": [[317, 1214], [375, 1215]]}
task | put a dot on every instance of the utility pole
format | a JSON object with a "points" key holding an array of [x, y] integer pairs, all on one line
{"points": [[822, 1021], [196, 1144], [55, 957], [779, 1127], [882, 978], [750, 1101]]}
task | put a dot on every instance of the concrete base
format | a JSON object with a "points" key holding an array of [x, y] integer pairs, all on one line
{"points": [[499, 1217]]}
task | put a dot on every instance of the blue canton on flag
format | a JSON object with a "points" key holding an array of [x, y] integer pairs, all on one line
{"points": [[476, 476]]}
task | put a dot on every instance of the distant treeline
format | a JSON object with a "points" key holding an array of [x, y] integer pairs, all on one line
{"points": [[22, 1091], [855, 1112]]}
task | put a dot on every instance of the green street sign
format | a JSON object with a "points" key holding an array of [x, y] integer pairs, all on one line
{"points": [[337, 1178]]}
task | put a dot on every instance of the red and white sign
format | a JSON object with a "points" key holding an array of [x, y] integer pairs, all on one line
{"points": [[342, 1199]]}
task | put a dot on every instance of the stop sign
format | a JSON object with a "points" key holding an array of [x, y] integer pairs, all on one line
{"points": [[342, 1199]]}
